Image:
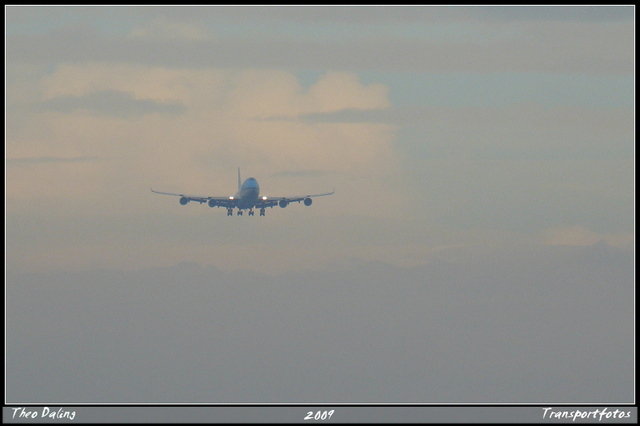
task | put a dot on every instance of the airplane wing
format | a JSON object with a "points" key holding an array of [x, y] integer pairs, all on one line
{"points": [[274, 201], [216, 201]]}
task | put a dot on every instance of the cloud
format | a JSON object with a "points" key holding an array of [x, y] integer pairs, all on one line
{"points": [[531, 46], [553, 13], [302, 173], [272, 94], [209, 95], [580, 236], [162, 29], [556, 318], [47, 160], [194, 127], [111, 103], [386, 115], [520, 131], [138, 82], [382, 15]]}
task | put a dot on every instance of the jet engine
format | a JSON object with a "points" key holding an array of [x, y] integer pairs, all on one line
{"points": [[212, 203], [307, 201], [283, 203], [184, 201]]}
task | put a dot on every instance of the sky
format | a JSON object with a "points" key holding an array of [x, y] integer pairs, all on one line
{"points": [[488, 138]]}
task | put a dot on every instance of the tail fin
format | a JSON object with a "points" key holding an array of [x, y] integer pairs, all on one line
{"points": [[239, 180]]}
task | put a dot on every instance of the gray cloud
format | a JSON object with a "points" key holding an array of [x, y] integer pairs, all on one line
{"points": [[384, 14], [49, 160], [521, 131], [554, 13], [389, 115], [309, 15], [550, 324], [545, 47], [301, 173], [111, 103]]}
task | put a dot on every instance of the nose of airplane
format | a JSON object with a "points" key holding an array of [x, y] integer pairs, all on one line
{"points": [[251, 183]]}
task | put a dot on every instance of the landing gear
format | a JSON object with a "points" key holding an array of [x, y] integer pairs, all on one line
{"points": [[241, 212]]}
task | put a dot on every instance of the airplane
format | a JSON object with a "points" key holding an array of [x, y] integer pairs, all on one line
{"points": [[247, 198]]}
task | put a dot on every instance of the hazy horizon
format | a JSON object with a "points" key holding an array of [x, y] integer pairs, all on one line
{"points": [[541, 327]]}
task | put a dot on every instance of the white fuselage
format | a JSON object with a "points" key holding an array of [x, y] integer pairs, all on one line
{"points": [[248, 194]]}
